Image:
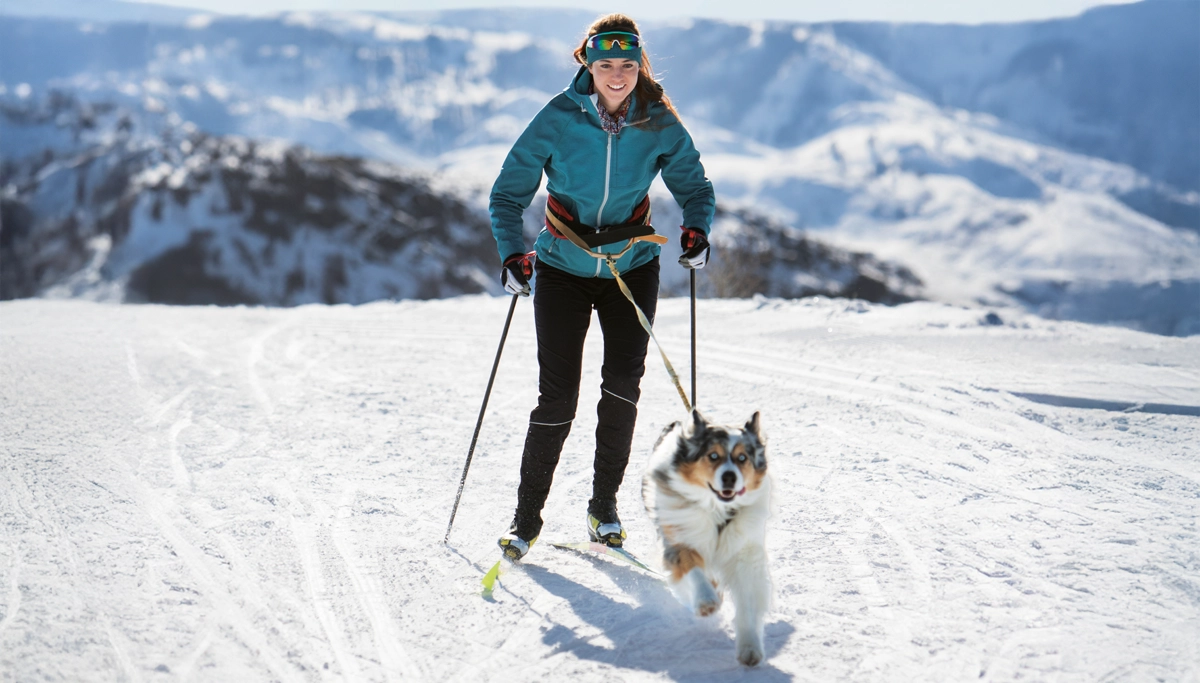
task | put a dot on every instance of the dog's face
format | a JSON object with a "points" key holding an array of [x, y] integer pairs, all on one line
{"points": [[729, 461]]}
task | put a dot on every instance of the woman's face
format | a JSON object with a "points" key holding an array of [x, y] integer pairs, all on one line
{"points": [[614, 80]]}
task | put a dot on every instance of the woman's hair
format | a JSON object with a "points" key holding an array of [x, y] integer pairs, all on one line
{"points": [[648, 90]]}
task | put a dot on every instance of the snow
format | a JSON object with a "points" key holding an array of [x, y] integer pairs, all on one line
{"points": [[261, 494]]}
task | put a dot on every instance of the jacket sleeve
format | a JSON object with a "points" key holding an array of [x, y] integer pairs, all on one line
{"points": [[519, 180], [684, 176]]}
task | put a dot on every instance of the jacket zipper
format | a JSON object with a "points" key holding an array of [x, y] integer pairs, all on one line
{"points": [[607, 177]]}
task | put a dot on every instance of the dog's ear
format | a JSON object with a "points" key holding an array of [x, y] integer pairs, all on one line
{"points": [[754, 426], [696, 428]]}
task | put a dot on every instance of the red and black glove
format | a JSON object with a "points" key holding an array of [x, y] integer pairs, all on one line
{"points": [[518, 268], [695, 249]]}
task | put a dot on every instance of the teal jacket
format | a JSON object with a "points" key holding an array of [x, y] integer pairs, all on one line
{"points": [[599, 177]]}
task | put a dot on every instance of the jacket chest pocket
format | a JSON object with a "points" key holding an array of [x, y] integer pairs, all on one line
{"points": [[633, 164]]}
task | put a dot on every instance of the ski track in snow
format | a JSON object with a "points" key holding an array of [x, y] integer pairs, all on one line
{"points": [[260, 494]]}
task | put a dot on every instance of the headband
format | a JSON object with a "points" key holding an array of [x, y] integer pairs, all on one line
{"points": [[614, 45]]}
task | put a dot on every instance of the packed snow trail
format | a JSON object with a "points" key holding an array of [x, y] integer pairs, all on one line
{"points": [[260, 494]]}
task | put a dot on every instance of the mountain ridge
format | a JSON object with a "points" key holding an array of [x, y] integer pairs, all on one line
{"points": [[135, 210], [829, 137]]}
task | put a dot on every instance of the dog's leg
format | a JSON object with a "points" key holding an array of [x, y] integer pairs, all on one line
{"points": [[705, 598], [750, 587], [688, 575]]}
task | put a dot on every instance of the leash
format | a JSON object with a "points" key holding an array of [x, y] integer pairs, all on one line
{"points": [[611, 260]]}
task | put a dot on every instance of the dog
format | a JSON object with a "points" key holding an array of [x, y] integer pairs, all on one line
{"points": [[708, 491]]}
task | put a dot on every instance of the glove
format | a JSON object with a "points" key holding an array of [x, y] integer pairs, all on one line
{"points": [[518, 268], [695, 249]]}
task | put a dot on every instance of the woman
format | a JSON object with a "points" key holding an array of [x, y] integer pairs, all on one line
{"points": [[600, 143]]}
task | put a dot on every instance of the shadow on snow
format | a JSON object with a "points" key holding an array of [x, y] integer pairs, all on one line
{"points": [[657, 634]]}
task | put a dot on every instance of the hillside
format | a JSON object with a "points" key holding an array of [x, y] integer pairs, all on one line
{"points": [[117, 206]]}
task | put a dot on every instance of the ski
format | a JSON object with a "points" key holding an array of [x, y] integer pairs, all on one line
{"points": [[608, 551], [493, 575], [490, 578]]}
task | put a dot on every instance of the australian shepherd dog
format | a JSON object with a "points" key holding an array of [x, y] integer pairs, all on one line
{"points": [[708, 491]]}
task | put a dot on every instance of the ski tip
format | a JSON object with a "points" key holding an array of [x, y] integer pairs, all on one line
{"points": [[489, 580]]}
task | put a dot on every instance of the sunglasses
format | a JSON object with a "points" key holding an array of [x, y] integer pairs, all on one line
{"points": [[615, 40]]}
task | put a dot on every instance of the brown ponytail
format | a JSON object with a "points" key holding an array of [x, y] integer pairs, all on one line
{"points": [[648, 90]]}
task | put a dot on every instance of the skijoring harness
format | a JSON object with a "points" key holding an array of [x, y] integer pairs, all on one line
{"points": [[563, 225]]}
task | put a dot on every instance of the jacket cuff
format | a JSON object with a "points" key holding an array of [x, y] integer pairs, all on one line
{"points": [[509, 247]]}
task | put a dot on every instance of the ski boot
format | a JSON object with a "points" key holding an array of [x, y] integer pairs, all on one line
{"points": [[522, 534], [604, 526]]}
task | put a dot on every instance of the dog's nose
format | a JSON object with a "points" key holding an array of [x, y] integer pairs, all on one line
{"points": [[728, 479]]}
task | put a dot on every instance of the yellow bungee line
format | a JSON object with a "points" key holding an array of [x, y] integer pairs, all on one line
{"points": [[611, 259], [612, 266]]}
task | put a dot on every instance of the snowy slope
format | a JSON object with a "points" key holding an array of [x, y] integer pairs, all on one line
{"points": [[260, 494], [982, 216]]}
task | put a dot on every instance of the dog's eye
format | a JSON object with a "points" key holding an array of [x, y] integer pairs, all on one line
{"points": [[742, 458], [714, 456]]}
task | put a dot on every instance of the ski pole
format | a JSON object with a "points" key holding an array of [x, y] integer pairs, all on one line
{"points": [[479, 423], [693, 338]]}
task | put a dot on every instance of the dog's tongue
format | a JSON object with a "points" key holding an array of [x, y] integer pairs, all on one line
{"points": [[742, 491]]}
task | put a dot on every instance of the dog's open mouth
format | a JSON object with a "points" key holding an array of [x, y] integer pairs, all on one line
{"points": [[727, 494]]}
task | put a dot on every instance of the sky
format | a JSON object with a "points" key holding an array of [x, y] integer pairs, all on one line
{"points": [[941, 11]]}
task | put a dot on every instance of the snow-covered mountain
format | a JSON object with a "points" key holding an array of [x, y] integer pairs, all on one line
{"points": [[120, 206], [986, 159], [1120, 82], [178, 216]]}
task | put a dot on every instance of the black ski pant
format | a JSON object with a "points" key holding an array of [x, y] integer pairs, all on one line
{"points": [[562, 311]]}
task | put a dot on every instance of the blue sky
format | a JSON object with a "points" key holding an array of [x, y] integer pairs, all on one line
{"points": [[957, 11]]}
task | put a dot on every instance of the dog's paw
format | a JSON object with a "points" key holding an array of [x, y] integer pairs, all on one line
{"points": [[749, 652], [708, 605], [706, 599]]}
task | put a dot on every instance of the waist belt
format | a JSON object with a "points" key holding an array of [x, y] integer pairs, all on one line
{"points": [[563, 225]]}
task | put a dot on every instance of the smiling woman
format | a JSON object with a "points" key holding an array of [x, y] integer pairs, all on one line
{"points": [[600, 144], [615, 47]]}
